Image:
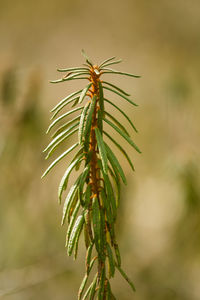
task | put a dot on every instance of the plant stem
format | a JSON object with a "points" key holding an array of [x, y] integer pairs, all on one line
{"points": [[95, 179]]}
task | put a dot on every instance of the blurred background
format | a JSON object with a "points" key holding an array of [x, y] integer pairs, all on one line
{"points": [[158, 225]]}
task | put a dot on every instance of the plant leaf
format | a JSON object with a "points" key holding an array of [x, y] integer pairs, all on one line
{"points": [[127, 138], [64, 126], [82, 121], [65, 99], [116, 87], [122, 113], [72, 220], [109, 215], [102, 240], [87, 196], [112, 63], [109, 294], [117, 123], [84, 92], [75, 102], [64, 180], [68, 79], [77, 78], [117, 253], [100, 120], [76, 242], [100, 111], [125, 276], [107, 207], [87, 58], [70, 76], [109, 190], [75, 233], [83, 284], [121, 149], [121, 95], [60, 136], [88, 257], [101, 97], [117, 184], [72, 69], [62, 106], [108, 70], [111, 261], [69, 199], [93, 288], [59, 142], [89, 116], [96, 222], [101, 285], [106, 60], [83, 177], [102, 150], [62, 117], [87, 292], [58, 159], [115, 163]]}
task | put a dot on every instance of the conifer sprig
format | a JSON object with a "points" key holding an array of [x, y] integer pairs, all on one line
{"points": [[92, 201]]}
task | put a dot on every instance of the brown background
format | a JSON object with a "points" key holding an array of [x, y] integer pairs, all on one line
{"points": [[158, 221]]}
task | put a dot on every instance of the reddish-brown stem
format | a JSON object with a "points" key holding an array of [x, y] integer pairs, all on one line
{"points": [[94, 178]]}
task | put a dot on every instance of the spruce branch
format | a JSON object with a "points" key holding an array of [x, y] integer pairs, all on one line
{"points": [[91, 203]]}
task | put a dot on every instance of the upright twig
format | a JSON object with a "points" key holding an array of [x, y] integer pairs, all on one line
{"points": [[92, 201]]}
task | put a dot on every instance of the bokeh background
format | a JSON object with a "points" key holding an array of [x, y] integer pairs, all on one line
{"points": [[159, 215]]}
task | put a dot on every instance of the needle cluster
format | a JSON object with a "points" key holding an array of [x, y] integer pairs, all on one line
{"points": [[91, 203]]}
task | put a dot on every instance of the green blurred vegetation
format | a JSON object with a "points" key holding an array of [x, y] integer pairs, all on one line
{"points": [[159, 215]]}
